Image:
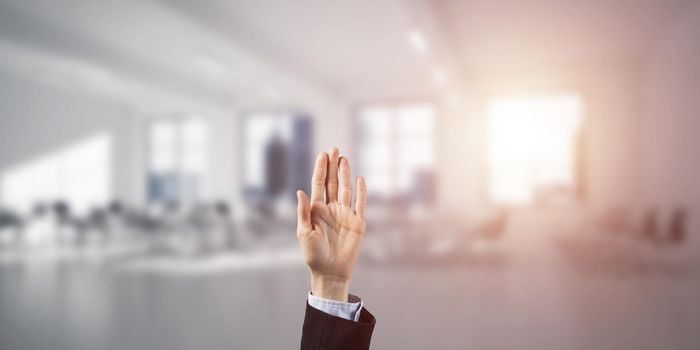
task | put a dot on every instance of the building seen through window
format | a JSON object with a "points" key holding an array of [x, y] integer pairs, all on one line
{"points": [[277, 154]]}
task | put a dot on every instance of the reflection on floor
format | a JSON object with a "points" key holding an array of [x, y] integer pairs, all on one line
{"points": [[256, 301]]}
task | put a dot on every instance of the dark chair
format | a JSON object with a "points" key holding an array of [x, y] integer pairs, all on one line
{"points": [[495, 227], [649, 229], [222, 208], [115, 207], [12, 221], [62, 211], [677, 231]]}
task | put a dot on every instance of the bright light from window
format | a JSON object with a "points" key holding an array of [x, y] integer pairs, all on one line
{"points": [[531, 145], [78, 174]]}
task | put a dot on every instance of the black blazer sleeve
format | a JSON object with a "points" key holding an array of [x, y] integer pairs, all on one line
{"points": [[322, 331]]}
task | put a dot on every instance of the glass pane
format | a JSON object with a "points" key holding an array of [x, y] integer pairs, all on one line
{"points": [[163, 143], [375, 123], [396, 144], [416, 121], [195, 134], [195, 150], [258, 129], [416, 154], [375, 164], [163, 134]]}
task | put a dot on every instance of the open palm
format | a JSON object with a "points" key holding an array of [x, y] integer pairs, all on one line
{"points": [[329, 230]]}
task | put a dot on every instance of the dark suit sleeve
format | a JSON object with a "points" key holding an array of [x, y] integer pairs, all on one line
{"points": [[322, 331]]}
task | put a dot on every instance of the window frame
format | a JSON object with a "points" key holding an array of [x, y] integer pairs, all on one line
{"points": [[282, 111], [179, 119], [395, 104]]}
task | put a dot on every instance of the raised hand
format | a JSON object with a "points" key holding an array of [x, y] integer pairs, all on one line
{"points": [[329, 230]]}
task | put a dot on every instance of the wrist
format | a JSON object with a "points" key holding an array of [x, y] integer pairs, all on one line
{"points": [[330, 287]]}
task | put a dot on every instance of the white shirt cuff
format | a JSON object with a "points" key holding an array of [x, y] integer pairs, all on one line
{"points": [[348, 310]]}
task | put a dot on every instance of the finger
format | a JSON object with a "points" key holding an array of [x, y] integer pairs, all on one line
{"points": [[361, 197], [318, 179], [303, 211], [332, 176], [345, 195]]}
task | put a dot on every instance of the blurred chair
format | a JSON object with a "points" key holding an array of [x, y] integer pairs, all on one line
{"points": [[483, 241], [677, 227], [659, 247], [649, 230], [665, 251], [63, 223], [619, 247], [11, 227], [117, 222], [615, 220], [494, 228], [260, 219], [224, 222], [94, 227]]}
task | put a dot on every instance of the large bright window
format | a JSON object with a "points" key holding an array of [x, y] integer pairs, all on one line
{"points": [[178, 159], [396, 149], [532, 146], [78, 174]]}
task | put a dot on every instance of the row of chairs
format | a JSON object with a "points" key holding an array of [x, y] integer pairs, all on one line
{"points": [[205, 225], [623, 241], [649, 227]]}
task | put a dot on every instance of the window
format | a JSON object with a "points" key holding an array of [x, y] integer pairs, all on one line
{"points": [[260, 130], [277, 154], [78, 174], [532, 147], [178, 159], [396, 150]]}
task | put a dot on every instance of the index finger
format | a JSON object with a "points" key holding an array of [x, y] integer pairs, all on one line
{"points": [[318, 179]]}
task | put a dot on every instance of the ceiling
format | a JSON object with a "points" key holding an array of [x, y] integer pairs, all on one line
{"points": [[231, 51], [358, 44], [511, 35], [334, 42]]}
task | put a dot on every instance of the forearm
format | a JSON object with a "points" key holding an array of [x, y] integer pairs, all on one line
{"points": [[330, 287]]}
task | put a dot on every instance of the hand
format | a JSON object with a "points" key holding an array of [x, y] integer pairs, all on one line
{"points": [[329, 230]]}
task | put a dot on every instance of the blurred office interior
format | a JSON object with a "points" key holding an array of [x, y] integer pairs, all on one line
{"points": [[532, 169]]}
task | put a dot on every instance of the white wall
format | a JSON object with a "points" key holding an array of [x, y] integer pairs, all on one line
{"points": [[38, 118], [672, 118]]}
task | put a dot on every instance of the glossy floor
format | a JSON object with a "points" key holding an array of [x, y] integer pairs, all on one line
{"points": [[80, 301]]}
